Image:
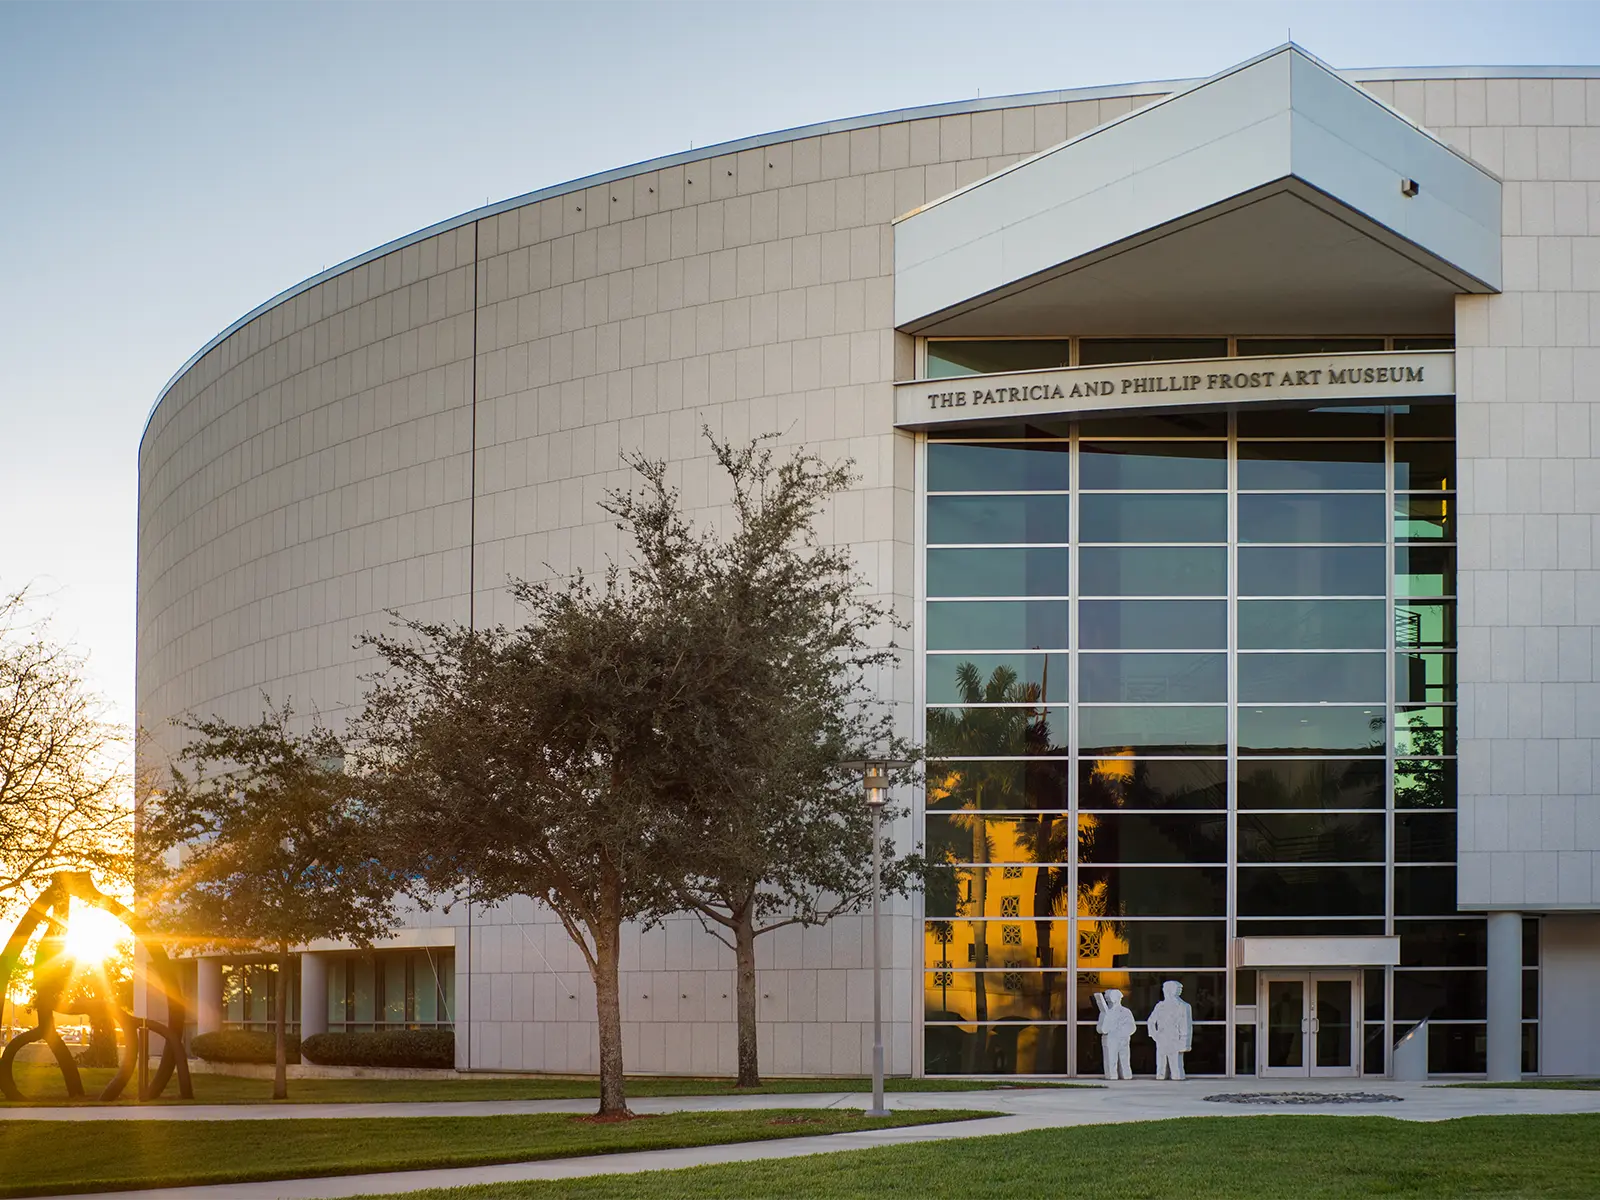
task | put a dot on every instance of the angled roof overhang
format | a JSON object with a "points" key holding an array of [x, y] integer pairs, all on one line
{"points": [[1266, 199]]}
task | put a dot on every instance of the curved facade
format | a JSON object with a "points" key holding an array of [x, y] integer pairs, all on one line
{"points": [[410, 429]]}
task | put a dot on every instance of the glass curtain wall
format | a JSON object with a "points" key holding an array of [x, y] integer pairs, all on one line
{"points": [[1189, 678], [392, 989]]}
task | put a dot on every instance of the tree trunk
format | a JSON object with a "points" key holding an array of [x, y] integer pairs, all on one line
{"points": [[607, 999], [744, 954], [280, 1049]]}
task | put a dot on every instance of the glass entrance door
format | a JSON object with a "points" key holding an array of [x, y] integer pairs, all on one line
{"points": [[1310, 1024]]}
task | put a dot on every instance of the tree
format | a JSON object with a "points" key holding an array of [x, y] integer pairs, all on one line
{"points": [[272, 844], [547, 761], [780, 831], [64, 788]]}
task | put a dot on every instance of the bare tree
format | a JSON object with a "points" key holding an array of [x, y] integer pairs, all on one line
{"points": [[65, 792]]}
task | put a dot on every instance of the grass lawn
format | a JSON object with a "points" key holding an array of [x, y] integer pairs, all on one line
{"points": [[43, 1083], [40, 1157], [1305, 1157], [1556, 1085]]}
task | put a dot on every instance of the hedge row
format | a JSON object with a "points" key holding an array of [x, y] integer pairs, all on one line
{"points": [[391, 1048], [241, 1046]]}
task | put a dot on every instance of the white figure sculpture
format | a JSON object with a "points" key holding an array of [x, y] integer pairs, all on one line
{"points": [[1171, 1025], [1115, 1026]]}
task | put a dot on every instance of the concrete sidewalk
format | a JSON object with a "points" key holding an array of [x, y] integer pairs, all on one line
{"points": [[1137, 1100]]}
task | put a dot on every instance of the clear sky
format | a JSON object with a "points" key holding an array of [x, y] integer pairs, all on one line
{"points": [[164, 168]]}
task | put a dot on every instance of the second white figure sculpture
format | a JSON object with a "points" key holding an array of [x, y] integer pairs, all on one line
{"points": [[1171, 1027]]}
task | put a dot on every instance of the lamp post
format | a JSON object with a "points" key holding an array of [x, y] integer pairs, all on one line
{"points": [[875, 775]]}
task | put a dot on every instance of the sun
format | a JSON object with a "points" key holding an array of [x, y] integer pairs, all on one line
{"points": [[93, 934]]}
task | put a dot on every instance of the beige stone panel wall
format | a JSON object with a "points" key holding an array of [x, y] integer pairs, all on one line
{"points": [[1529, 459]]}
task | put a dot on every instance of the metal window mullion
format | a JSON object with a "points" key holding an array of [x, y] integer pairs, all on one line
{"points": [[919, 722], [1390, 741], [1230, 1038], [1074, 586]]}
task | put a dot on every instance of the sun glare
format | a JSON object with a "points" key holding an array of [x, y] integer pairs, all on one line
{"points": [[93, 934]]}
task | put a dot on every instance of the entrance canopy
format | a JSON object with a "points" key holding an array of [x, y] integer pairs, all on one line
{"points": [[1262, 952], [1275, 198]]}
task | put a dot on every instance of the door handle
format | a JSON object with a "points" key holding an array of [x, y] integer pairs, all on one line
{"points": [[1305, 1024], [1316, 1024]]}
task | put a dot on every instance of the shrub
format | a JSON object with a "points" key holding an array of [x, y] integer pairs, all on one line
{"points": [[390, 1048], [241, 1046]]}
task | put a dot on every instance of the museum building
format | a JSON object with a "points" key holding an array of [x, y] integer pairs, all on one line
{"points": [[1231, 448]]}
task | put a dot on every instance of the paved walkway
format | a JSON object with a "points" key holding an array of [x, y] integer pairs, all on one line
{"points": [[1022, 1109]]}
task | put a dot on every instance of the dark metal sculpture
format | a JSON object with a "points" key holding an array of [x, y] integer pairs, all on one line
{"points": [[50, 911]]}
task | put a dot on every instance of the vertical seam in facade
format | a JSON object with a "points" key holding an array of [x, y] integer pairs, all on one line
{"points": [[472, 571]]}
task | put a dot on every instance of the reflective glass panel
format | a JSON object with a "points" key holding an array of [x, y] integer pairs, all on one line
{"points": [[999, 467], [1311, 837], [1440, 995], [959, 945], [1424, 677], [965, 519], [984, 785], [1112, 783], [1319, 730], [1310, 891], [1309, 926], [1420, 625], [997, 624], [1125, 837], [1311, 571], [964, 838], [1311, 422], [999, 572], [1021, 994], [1153, 624], [1013, 1049], [1424, 891], [1156, 570], [996, 732], [1311, 783], [1436, 943], [1006, 893], [950, 358], [1325, 678], [999, 519], [1311, 466], [1152, 892], [1098, 351], [1166, 731], [1169, 425], [1424, 783], [1425, 837], [1153, 678], [1312, 625], [1141, 991], [1425, 731], [1424, 570], [1457, 1049], [1424, 466], [1152, 943], [1281, 347], [995, 678], [1044, 428], [1325, 517], [1136, 517], [1425, 518], [1424, 420], [1153, 466]]}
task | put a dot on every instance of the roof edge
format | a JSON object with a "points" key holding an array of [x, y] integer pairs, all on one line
{"points": [[795, 133]]}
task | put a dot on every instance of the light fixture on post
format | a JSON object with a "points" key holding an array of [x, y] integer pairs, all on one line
{"points": [[875, 775]]}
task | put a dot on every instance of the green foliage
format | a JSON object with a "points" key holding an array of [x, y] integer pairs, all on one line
{"points": [[385, 1048], [240, 1046], [274, 847]]}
